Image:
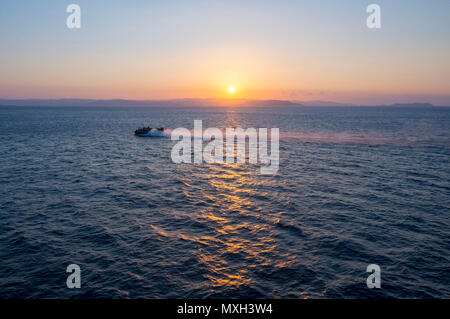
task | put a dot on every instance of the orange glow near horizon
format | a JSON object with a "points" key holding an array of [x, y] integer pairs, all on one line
{"points": [[211, 73]]}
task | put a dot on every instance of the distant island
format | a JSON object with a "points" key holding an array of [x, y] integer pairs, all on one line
{"points": [[187, 103]]}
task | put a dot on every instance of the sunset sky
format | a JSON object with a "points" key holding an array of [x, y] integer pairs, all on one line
{"points": [[292, 50]]}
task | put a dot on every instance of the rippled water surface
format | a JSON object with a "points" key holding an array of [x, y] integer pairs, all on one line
{"points": [[356, 186]]}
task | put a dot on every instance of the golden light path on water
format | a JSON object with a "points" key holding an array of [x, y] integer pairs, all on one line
{"points": [[240, 243], [229, 185]]}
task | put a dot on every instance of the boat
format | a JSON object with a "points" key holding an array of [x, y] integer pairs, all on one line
{"points": [[149, 131]]}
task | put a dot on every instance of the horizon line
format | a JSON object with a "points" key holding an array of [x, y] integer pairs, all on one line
{"points": [[237, 102]]}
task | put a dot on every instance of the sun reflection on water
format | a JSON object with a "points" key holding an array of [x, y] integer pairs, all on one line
{"points": [[233, 233], [241, 239]]}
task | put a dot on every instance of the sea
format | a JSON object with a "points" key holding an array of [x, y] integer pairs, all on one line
{"points": [[356, 186]]}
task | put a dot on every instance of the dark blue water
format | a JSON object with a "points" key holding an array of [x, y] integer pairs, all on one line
{"points": [[356, 186]]}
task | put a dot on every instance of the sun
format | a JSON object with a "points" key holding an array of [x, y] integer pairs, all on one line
{"points": [[231, 90]]}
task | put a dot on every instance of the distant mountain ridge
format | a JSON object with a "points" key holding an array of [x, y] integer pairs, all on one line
{"points": [[323, 103], [185, 103], [165, 103]]}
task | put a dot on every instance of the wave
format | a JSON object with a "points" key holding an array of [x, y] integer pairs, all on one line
{"points": [[370, 138]]}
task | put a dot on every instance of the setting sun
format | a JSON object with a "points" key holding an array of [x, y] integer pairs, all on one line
{"points": [[231, 90]]}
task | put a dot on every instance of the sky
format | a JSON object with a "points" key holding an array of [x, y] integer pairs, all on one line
{"points": [[283, 49]]}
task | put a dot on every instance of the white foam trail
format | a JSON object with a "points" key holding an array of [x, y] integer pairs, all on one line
{"points": [[156, 133]]}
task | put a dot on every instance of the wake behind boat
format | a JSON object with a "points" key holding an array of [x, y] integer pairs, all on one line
{"points": [[150, 131]]}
